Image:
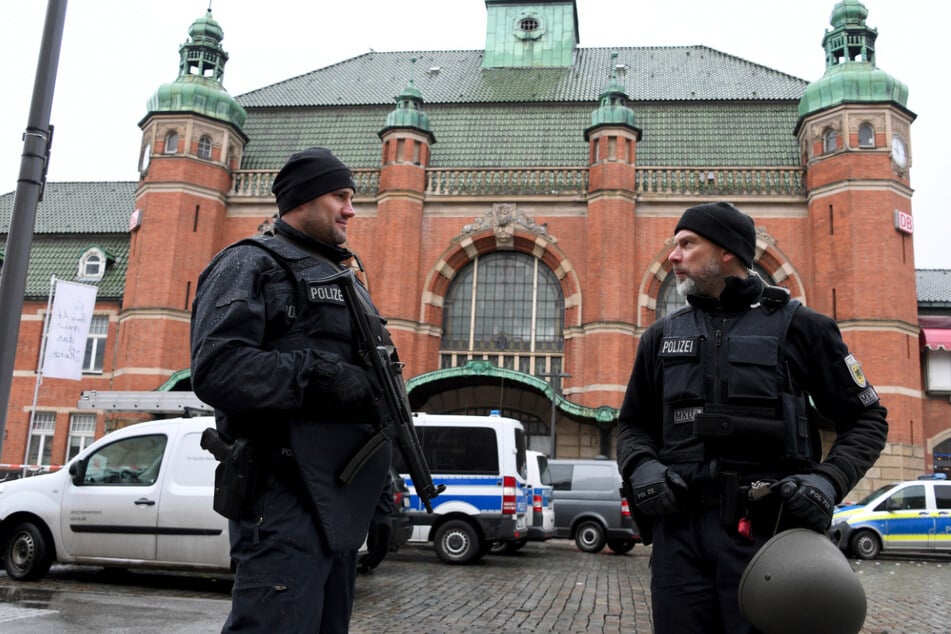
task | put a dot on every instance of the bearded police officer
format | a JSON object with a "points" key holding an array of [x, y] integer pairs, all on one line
{"points": [[718, 439], [273, 353]]}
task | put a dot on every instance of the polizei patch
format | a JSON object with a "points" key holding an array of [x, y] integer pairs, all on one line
{"points": [[679, 347], [325, 294]]}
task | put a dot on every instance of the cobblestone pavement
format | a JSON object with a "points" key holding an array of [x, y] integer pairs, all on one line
{"points": [[554, 587]]}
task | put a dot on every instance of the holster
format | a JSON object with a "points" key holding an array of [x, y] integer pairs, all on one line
{"points": [[236, 474]]}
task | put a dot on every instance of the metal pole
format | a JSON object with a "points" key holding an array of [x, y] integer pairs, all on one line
{"points": [[36, 145], [555, 383]]}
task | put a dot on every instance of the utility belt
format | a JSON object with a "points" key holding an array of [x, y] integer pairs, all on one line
{"points": [[241, 466], [741, 508]]}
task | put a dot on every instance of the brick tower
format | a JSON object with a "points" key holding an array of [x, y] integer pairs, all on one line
{"points": [[609, 315], [407, 140], [853, 132], [191, 142]]}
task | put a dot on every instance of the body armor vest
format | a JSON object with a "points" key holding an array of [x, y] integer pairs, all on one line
{"points": [[727, 391], [311, 314]]}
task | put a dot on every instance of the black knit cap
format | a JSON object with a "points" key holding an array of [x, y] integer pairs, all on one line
{"points": [[725, 225], [308, 174]]}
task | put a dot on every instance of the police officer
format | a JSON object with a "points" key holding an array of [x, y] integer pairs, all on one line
{"points": [[717, 439], [272, 352]]}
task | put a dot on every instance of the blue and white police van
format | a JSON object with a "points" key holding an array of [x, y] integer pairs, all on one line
{"points": [[482, 462]]}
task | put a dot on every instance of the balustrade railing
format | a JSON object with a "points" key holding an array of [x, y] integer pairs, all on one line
{"points": [[257, 183], [569, 181]]}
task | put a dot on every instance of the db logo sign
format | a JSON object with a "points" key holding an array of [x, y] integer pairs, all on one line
{"points": [[904, 222]]}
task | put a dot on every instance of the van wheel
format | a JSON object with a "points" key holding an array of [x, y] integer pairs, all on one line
{"points": [[621, 546], [590, 537], [457, 542], [865, 545], [26, 553]]}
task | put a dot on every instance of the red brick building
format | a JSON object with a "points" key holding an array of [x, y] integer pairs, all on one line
{"points": [[514, 216]]}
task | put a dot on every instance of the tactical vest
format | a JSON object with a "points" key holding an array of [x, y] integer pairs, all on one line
{"points": [[727, 391], [312, 313]]}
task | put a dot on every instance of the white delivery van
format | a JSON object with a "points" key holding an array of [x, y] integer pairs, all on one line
{"points": [[482, 462], [137, 497]]}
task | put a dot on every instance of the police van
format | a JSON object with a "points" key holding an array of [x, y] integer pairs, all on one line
{"points": [[482, 462], [911, 516]]}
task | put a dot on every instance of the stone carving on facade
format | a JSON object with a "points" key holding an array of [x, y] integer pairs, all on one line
{"points": [[503, 219], [876, 120]]}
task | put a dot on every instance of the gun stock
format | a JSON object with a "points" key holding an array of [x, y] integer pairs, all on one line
{"points": [[397, 419]]}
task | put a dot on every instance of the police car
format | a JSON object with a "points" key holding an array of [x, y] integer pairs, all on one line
{"points": [[911, 516]]}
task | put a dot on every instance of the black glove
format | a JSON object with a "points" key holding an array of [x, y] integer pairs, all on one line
{"points": [[656, 488], [351, 386], [810, 498], [378, 544], [346, 384]]}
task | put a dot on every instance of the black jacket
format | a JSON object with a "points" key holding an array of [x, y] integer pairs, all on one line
{"points": [[269, 342]]}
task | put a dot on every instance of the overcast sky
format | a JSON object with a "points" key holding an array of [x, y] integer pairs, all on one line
{"points": [[115, 53]]}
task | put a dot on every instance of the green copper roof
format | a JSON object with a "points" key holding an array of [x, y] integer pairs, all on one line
{"points": [[677, 73], [613, 109], [684, 98], [851, 75], [198, 87], [536, 34], [509, 135], [487, 369], [409, 109]]}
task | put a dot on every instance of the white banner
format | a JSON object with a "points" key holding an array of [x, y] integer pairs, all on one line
{"points": [[71, 315]]}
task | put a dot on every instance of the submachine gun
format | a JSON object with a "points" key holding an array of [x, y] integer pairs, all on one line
{"points": [[396, 424]]}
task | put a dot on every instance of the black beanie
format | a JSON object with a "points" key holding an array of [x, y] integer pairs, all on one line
{"points": [[725, 225], [308, 174]]}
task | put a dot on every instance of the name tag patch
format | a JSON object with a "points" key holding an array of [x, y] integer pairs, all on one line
{"points": [[325, 294], [679, 347], [868, 396], [686, 414]]}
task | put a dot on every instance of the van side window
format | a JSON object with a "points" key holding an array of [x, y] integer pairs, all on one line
{"points": [[909, 498], [594, 478], [469, 450], [560, 476], [127, 462], [942, 496]]}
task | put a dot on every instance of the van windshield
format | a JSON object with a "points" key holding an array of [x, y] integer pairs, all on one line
{"points": [[458, 449]]}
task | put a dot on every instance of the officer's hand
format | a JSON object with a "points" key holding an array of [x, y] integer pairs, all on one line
{"points": [[351, 386], [656, 488], [378, 543], [810, 498]]}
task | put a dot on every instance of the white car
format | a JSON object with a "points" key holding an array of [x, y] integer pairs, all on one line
{"points": [[138, 497]]}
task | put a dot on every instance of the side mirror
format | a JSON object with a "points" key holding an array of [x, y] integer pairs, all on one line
{"points": [[78, 471]]}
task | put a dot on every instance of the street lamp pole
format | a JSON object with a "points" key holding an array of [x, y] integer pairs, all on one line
{"points": [[555, 392]]}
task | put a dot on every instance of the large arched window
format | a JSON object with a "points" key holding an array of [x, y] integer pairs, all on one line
{"points": [[669, 298], [508, 308]]}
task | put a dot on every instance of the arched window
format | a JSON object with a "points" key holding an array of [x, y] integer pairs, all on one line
{"points": [[171, 143], [829, 141], [204, 147], [92, 264], [866, 135], [669, 298], [507, 308]]}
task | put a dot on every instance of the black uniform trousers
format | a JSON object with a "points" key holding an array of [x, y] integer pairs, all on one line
{"points": [[696, 565], [284, 572]]}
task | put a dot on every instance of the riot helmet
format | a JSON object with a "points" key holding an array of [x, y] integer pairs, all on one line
{"points": [[799, 581]]}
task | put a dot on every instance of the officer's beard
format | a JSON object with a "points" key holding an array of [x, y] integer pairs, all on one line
{"points": [[707, 281]]}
